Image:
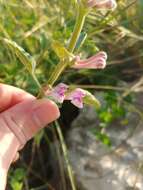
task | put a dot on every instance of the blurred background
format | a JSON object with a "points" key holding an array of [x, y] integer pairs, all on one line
{"points": [[105, 147]]}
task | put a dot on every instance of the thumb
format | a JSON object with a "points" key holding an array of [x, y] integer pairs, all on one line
{"points": [[20, 123], [3, 179], [28, 117]]}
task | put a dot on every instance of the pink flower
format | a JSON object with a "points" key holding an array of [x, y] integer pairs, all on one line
{"points": [[102, 4], [97, 61], [76, 97], [58, 93]]}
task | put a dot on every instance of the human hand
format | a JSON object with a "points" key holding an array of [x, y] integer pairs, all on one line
{"points": [[21, 117]]}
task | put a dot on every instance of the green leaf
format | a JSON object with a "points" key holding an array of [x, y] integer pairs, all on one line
{"points": [[16, 185], [90, 99], [17, 177], [19, 174], [103, 138], [60, 50], [106, 116], [81, 40], [23, 56]]}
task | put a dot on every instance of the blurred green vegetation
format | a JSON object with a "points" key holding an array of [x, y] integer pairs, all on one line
{"points": [[34, 24]]}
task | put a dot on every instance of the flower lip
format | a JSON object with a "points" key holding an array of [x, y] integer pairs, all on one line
{"points": [[76, 97]]}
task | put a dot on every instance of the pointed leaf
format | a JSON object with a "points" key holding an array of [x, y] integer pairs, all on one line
{"points": [[60, 50], [81, 40], [90, 99], [22, 55]]}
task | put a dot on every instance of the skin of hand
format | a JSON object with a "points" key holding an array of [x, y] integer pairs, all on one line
{"points": [[21, 117]]}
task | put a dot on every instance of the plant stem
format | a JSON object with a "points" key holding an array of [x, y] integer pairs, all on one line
{"points": [[60, 159], [41, 91], [65, 153], [57, 72], [77, 29], [75, 36], [55, 75]]}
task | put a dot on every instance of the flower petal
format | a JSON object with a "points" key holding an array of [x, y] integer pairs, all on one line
{"points": [[58, 93], [77, 103], [76, 97]]}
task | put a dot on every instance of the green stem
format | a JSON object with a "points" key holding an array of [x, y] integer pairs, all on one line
{"points": [[57, 72], [65, 153], [75, 36], [60, 159], [55, 75], [41, 91], [77, 29]]}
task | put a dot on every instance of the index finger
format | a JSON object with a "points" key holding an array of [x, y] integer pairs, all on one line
{"points": [[9, 96]]}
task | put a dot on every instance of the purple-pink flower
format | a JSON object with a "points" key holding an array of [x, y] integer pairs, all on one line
{"points": [[97, 61], [102, 4], [76, 97], [58, 93]]}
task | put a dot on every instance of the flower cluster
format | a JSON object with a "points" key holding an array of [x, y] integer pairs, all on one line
{"points": [[78, 96], [60, 93]]}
